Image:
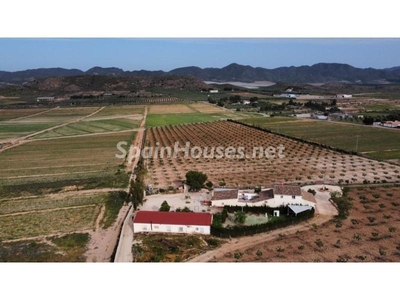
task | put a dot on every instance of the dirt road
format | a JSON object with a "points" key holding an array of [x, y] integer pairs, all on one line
{"points": [[25, 139], [102, 241], [124, 250], [243, 243]]}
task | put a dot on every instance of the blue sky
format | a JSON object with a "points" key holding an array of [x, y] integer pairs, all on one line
{"points": [[167, 54]]}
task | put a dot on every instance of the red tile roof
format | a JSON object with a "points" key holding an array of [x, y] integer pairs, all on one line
{"points": [[291, 190], [173, 218], [225, 194]]}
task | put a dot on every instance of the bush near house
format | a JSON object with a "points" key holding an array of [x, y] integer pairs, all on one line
{"points": [[219, 231]]}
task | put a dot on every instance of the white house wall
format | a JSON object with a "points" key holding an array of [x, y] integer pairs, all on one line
{"points": [[276, 202], [147, 227], [288, 200], [222, 203]]}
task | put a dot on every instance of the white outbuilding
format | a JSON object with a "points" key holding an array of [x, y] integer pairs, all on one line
{"points": [[172, 222]]}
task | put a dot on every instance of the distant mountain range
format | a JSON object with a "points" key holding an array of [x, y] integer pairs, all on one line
{"points": [[318, 73]]}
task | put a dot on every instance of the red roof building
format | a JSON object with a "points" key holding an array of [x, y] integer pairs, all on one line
{"points": [[173, 218]]}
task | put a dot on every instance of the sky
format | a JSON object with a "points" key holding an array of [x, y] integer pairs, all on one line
{"points": [[170, 53]]}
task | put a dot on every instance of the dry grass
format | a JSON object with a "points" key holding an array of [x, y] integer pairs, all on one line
{"points": [[170, 109], [45, 223]]}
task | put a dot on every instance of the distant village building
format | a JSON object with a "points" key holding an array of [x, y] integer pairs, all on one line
{"points": [[302, 115], [246, 102], [213, 91], [392, 124], [45, 99], [319, 117], [343, 96], [340, 116], [287, 95], [172, 222]]}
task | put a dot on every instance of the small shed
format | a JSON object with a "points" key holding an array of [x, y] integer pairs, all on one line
{"points": [[297, 209]]}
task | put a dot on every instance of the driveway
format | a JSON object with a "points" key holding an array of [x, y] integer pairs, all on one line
{"points": [[179, 200], [324, 206]]}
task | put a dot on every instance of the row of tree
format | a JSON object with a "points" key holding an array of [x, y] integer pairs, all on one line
{"points": [[393, 116]]}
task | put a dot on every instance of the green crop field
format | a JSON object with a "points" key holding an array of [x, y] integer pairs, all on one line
{"points": [[174, 119], [45, 223], [371, 140], [10, 206], [89, 127], [59, 115], [59, 161], [190, 95], [121, 110], [10, 100], [9, 114], [10, 130]]}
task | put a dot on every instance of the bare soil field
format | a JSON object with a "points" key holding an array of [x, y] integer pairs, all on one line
{"points": [[302, 163], [204, 107], [167, 109], [369, 234]]}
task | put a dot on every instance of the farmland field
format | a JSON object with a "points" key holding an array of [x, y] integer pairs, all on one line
{"points": [[60, 161], [9, 130], [162, 115], [58, 115], [44, 223], [370, 234], [170, 109], [10, 100], [35, 121], [302, 163], [372, 141], [9, 114], [173, 119], [44, 202], [62, 181]]}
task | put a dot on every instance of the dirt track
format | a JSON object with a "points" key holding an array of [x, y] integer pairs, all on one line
{"points": [[243, 243]]}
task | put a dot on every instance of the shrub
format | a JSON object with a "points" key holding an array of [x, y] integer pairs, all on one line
{"points": [[361, 257], [165, 206], [342, 258], [311, 191], [238, 255], [319, 243]]}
